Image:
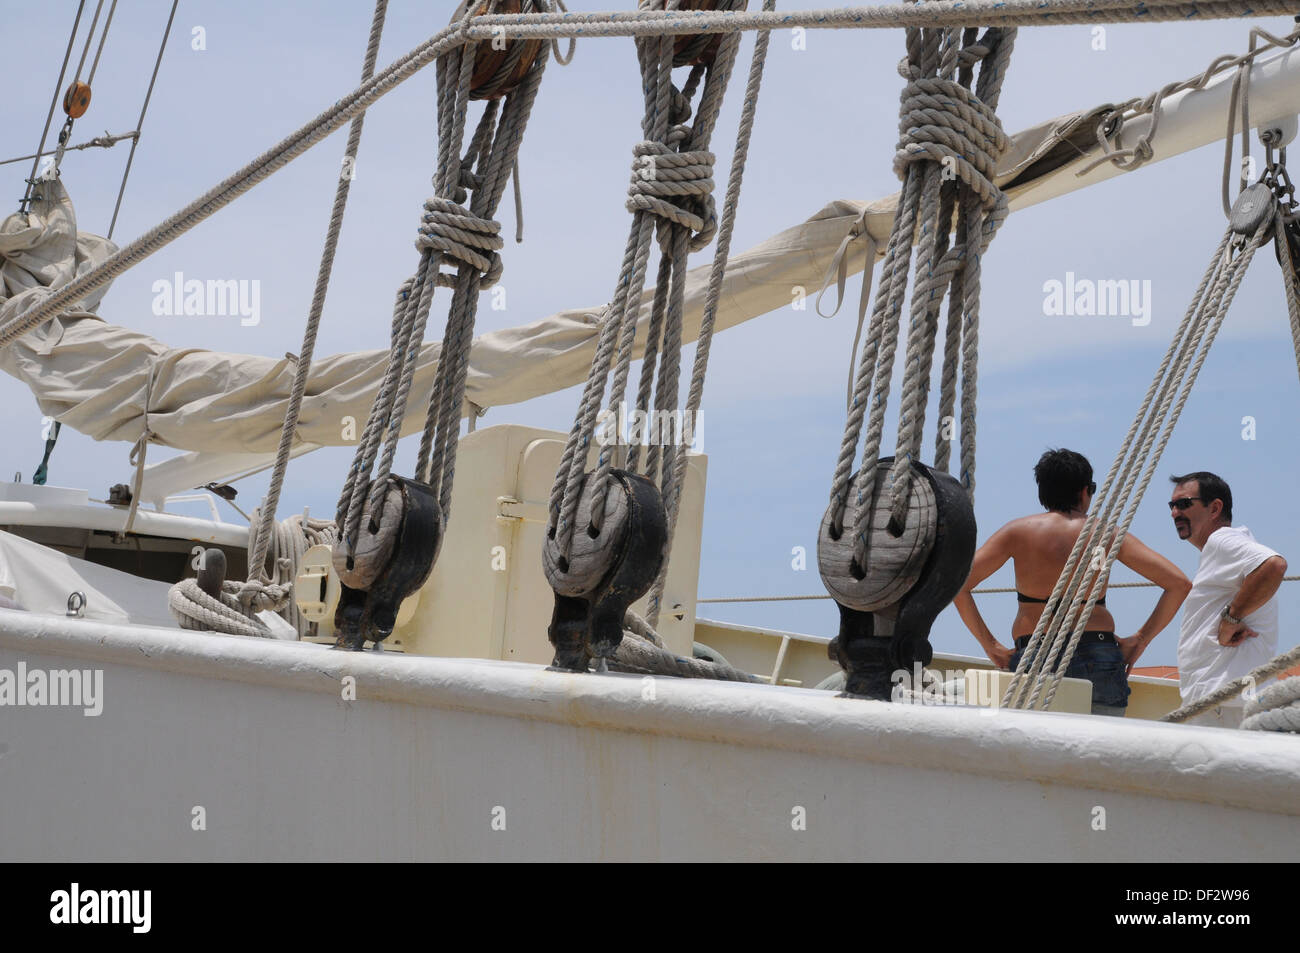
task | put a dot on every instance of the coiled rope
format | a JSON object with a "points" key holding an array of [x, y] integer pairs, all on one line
{"points": [[640, 656], [235, 612], [1276, 708]]}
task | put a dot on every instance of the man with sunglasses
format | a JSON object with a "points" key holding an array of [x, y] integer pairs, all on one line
{"points": [[1230, 617]]}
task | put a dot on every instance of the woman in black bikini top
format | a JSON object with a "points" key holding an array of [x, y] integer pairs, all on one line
{"points": [[1039, 546], [1021, 597]]}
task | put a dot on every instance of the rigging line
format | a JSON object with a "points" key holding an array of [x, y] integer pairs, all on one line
{"points": [[103, 37], [106, 141], [54, 101], [397, 72], [261, 535], [931, 14], [1131, 158], [139, 125], [90, 35], [995, 590]]}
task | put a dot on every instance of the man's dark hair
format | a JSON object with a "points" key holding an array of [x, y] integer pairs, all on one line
{"points": [[1212, 488], [1061, 474]]}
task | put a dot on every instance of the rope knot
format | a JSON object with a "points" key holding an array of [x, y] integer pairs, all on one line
{"points": [[257, 596], [455, 232], [944, 122], [675, 186]]}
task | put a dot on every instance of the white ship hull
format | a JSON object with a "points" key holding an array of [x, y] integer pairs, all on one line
{"points": [[440, 759]]}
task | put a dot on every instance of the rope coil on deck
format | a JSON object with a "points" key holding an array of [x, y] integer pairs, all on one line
{"points": [[1276, 708], [235, 612], [195, 609], [640, 655]]}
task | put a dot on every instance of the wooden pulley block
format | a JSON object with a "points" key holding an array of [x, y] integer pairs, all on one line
{"points": [[605, 571], [76, 100], [412, 542], [893, 562], [873, 645], [702, 48], [1254, 207], [359, 568], [493, 56]]}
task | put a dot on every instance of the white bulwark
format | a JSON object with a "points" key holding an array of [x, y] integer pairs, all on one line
{"points": [[222, 748]]}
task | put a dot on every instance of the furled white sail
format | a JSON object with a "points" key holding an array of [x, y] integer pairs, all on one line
{"points": [[102, 379]]}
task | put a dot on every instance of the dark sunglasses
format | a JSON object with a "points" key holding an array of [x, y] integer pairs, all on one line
{"points": [[1184, 503]]}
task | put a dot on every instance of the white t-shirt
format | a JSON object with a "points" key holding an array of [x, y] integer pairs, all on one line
{"points": [[1228, 557]]}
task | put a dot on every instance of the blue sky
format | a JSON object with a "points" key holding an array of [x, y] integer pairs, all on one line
{"points": [[774, 403]]}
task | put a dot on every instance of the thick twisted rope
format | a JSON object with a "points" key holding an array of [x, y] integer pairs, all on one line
{"points": [[877, 361], [499, 160], [1081, 582], [947, 131], [1245, 684], [262, 534], [639, 655], [704, 342], [235, 612], [449, 233], [947, 123], [1276, 708], [454, 75], [670, 194], [934, 13], [289, 541], [194, 609]]}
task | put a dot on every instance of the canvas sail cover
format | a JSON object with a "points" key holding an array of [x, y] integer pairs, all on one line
{"points": [[102, 379]]}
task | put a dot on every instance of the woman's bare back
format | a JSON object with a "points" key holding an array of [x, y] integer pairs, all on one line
{"points": [[1041, 546]]}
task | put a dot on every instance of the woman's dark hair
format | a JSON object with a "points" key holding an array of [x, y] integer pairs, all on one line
{"points": [[1061, 474], [1210, 488]]}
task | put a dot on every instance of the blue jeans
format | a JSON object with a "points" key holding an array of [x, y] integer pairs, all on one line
{"points": [[1101, 663]]}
